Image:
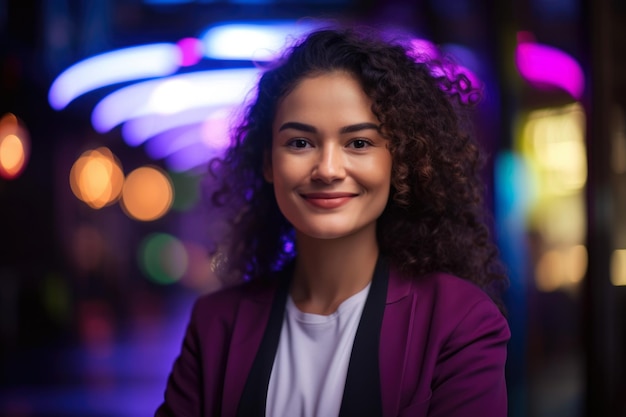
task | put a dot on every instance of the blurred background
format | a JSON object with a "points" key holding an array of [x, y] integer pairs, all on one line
{"points": [[110, 110]]}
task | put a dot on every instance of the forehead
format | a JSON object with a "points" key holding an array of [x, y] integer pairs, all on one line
{"points": [[337, 95]]}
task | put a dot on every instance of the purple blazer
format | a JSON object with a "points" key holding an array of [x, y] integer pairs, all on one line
{"points": [[441, 352]]}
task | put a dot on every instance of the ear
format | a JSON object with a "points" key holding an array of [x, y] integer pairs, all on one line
{"points": [[268, 174]]}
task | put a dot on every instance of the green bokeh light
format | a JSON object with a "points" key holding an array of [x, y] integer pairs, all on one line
{"points": [[163, 258]]}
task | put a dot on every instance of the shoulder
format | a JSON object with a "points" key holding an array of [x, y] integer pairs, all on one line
{"points": [[451, 302], [224, 303], [437, 286], [451, 291], [455, 339]]}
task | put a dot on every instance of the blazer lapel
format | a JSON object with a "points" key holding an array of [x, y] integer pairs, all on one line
{"points": [[395, 337], [362, 393], [254, 396], [252, 318]]}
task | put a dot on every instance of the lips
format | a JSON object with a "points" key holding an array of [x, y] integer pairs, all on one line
{"points": [[328, 200]]}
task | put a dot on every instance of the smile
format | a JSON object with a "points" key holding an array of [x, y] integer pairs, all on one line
{"points": [[328, 200]]}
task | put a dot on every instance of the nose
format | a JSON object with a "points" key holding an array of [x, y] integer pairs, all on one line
{"points": [[330, 165]]}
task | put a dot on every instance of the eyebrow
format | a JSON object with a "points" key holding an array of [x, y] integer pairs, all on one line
{"points": [[346, 129]]}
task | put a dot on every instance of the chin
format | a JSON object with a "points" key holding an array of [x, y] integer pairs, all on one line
{"points": [[321, 234], [329, 232]]}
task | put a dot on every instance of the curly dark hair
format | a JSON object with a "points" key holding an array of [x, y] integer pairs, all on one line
{"points": [[434, 219]]}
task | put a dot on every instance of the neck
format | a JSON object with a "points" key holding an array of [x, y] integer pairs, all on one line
{"points": [[328, 271]]}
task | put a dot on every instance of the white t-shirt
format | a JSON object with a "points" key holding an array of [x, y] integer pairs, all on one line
{"points": [[311, 364]]}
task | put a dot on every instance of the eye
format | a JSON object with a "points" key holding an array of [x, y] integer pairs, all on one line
{"points": [[298, 143], [360, 143]]}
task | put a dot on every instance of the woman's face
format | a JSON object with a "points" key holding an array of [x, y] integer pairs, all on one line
{"points": [[330, 166]]}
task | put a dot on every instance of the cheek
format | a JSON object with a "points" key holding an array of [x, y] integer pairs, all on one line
{"points": [[283, 186], [280, 174], [380, 174], [384, 181]]}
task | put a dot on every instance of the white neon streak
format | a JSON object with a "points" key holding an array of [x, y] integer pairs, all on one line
{"points": [[257, 42], [146, 61], [209, 88]]}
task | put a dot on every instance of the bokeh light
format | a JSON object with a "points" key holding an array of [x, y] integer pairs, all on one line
{"points": [[14, 147], [205, 89], [147, 193], [555, 140], [97, 178], [133, 63], [544, 66], [170, 96], [256, 41], [96, 327], [562, 267], [190, 51], [552, 144], [163, 258], [618, 267], [216, 129]]}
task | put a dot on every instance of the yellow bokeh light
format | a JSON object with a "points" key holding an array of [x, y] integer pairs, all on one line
{"points": [[147, 194], [554, 141], [618, 267], [560, 220], [97, 178]]}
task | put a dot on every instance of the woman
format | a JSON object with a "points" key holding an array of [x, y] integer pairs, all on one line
{"points": [[356, 219]]}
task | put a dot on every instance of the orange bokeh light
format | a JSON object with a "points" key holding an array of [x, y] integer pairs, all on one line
{"points": [[14, 147], [147, 194], [97, 178]]}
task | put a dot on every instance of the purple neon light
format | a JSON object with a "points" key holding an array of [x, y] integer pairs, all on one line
{"points": [[215, 130], [190, 157], [212, 133], [173, 140], [139, 130], [545, 66]]}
